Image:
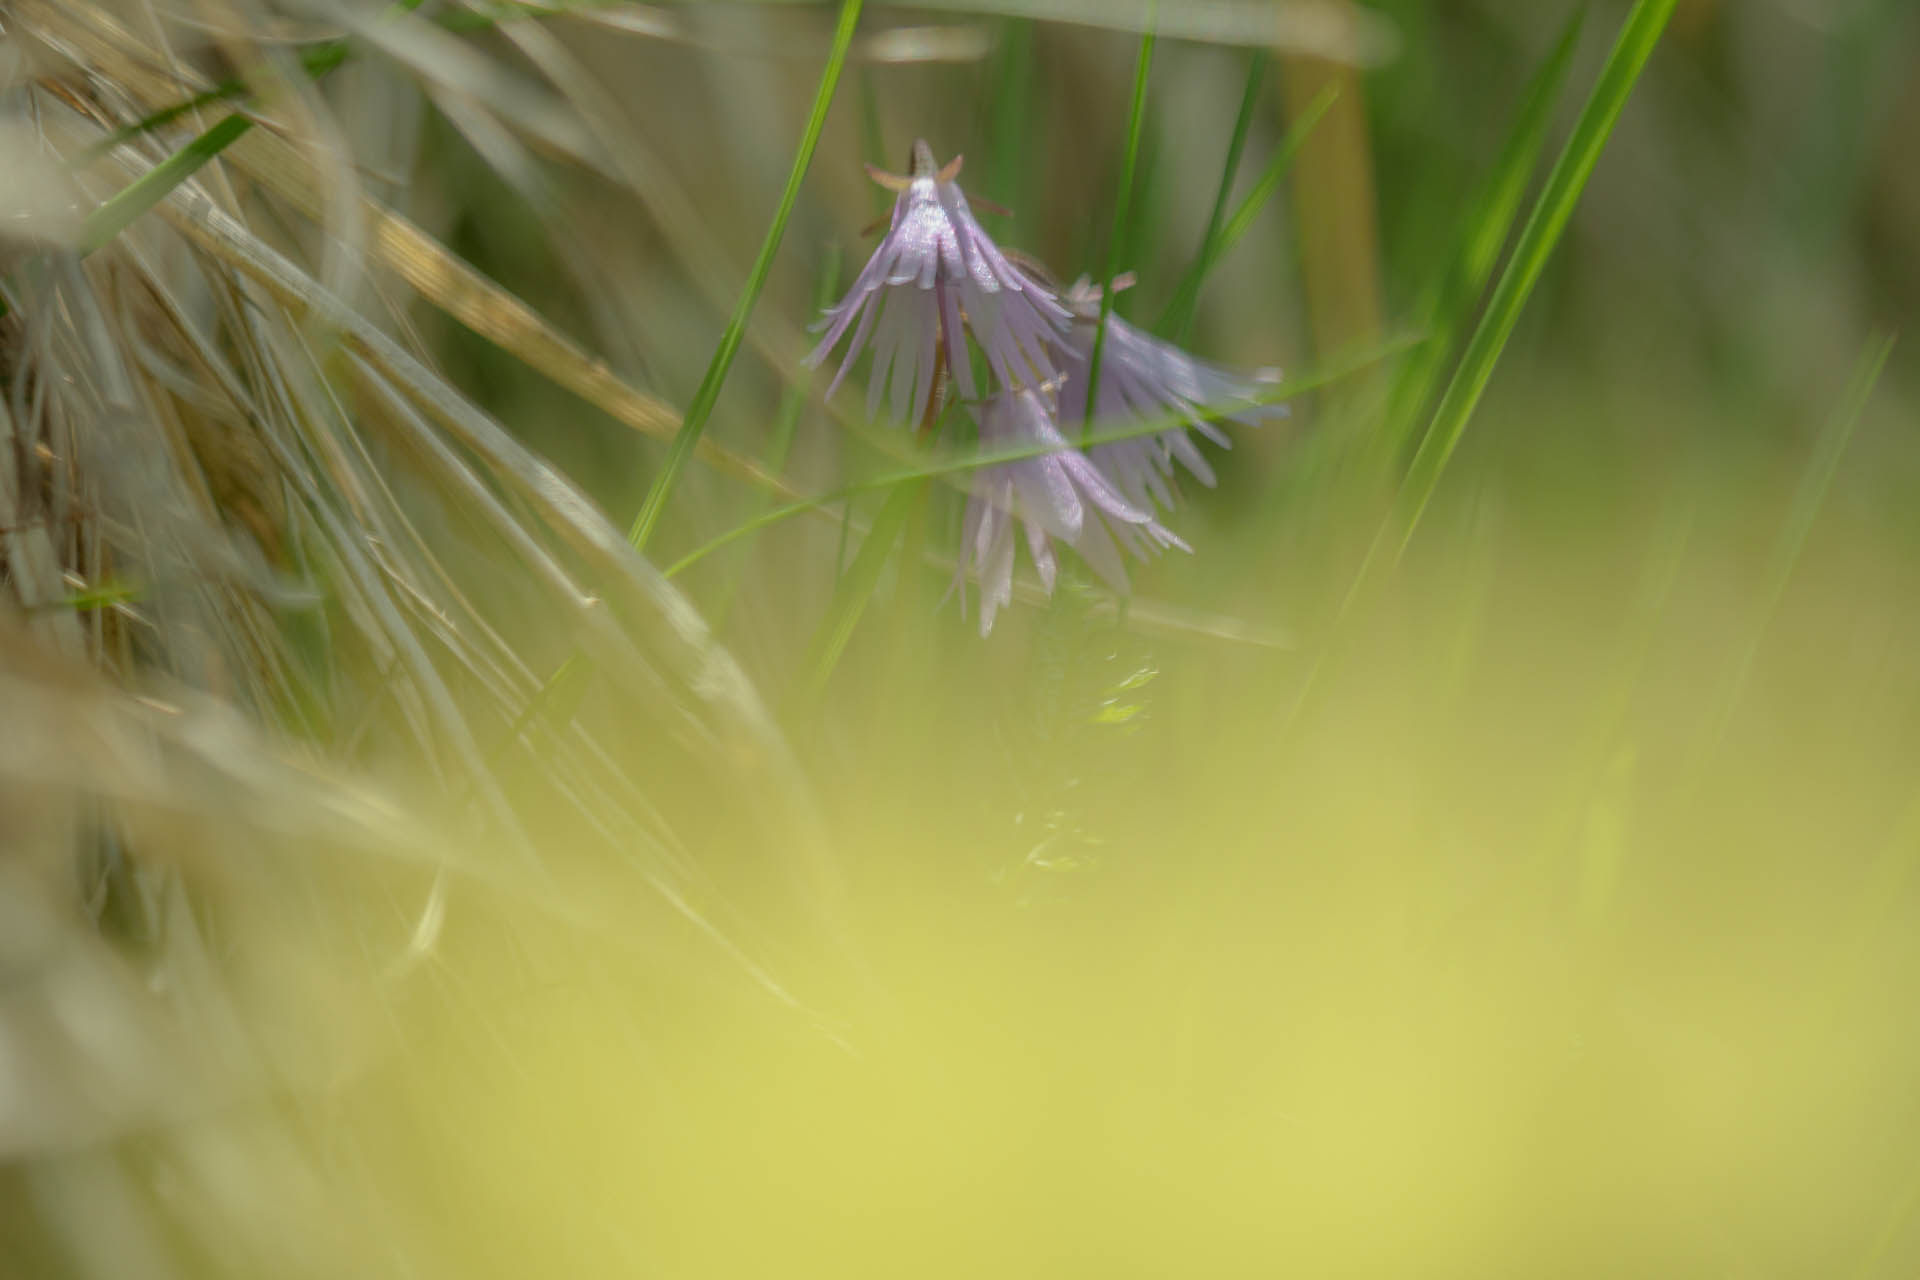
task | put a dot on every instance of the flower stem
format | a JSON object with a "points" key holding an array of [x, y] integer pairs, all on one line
{"points": [[1134, 117], [709, 393]]}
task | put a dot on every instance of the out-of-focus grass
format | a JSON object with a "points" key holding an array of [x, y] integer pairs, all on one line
{"points": [[1572, 933]]}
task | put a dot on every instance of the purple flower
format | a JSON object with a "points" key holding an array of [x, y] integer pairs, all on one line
{"points": [[1056, 495], [936, 271], [1143, 379]]}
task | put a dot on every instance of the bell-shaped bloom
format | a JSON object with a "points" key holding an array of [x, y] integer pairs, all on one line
{"points": [[935, 275], [1143, 380], [1056, 495]]}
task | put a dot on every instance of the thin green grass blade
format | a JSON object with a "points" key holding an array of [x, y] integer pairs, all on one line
{"points": [[1548, 219], [108, 594], [1237, 226], [1144, 207], [709, 392], [858, 585], [786, 425], [1177, 320], [117, 213], [1010, 114], [1275, 172], [562, 692], [1537, 242], [1135, 116], [316, 62], [946, 467], [1448, 306], [1807, 501], [874, 136]]}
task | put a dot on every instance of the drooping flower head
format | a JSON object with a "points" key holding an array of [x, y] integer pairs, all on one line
{"points": [[1057, 495], [1143, 379], [936, 274]]}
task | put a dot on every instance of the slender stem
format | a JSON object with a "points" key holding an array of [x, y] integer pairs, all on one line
{"points": [[1125, 198], [1179, 314], [898, 516], [709, 392], [117, 213], [936, 468], [562, 689]]}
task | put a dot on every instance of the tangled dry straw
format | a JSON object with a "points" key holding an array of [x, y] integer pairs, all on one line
{"points": [[252, 546]]}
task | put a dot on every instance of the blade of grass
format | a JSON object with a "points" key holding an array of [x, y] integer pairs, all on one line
{"points": [[118, 212], [709, 392], [1537, 242], [315, 61], [1807, 501], [1548, 219], [780, 441], [857, 586], [1135, 115], [1448, 306], [1145, 207], [104, 596], [562, 691], [1178, 317], [938, 468], [875, 137], [1270, 178], [1009, 131]]}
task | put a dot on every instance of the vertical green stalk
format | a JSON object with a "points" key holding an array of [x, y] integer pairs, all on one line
{"points": [[875, 138], [564, 688], [709, 392], [1537, 243], [1010, 131], [1448, 306], [1134, 117], [859, 583], [1221, 239], [1807, 501], [1178, 318], [1545, 224], [780, 440]]}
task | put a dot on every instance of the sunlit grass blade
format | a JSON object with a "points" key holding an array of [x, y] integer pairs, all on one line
{"points": [[1136, 114], [117, 213], [1177, 319], [1807, 501], [780, 441], [1009, 90], [1448, 307], [949, 467], [1548, 219], [104, 596], [316, 62], [561, 693], [1270, 178], [1537, 242], [709, 391], [1237, 226], [874, 135]]}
